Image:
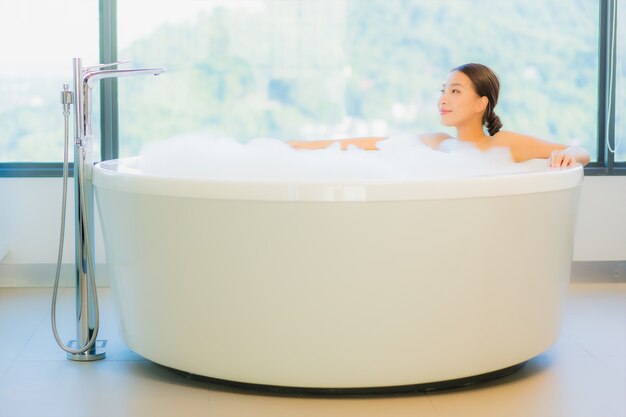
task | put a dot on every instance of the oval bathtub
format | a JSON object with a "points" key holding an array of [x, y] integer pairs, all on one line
{"points": [[351, 286]]}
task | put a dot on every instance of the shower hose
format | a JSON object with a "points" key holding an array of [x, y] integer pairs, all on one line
{"points": [[66, 100]]}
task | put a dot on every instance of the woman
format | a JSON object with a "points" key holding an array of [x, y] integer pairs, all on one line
{"points": [[467, 102]]}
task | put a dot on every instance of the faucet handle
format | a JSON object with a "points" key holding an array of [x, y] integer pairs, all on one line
{"points": [[99, 66]]}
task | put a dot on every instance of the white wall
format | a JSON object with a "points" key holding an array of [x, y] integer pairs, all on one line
{"points": [[601, 226], [30, 222], [30, 210]]}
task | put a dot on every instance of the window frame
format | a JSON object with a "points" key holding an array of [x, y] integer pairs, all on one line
{"points": [[606, 164], [109, 120]]}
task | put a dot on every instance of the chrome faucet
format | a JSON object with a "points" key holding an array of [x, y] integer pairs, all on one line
{"points": [[84, 80]]}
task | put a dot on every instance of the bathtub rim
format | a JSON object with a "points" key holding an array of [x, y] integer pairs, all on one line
{"points": [[120, 175]]}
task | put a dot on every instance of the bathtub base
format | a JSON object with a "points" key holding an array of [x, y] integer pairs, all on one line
{"points": [[399, 390]]}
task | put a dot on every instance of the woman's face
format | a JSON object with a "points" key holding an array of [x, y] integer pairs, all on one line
{"points": [[459, 102]]}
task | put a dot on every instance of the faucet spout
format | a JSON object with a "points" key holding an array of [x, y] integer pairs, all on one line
{"points": [[92, 77], [85, 79]]}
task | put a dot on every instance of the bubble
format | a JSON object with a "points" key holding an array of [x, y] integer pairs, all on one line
{"points": [[399, 158]]}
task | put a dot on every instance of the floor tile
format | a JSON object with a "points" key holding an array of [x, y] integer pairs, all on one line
{"points": [[4, 366], [20, 317], [616, 364], [596, 318], [564, 381], [103, 388]]}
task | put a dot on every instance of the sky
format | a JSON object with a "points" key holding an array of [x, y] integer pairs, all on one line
{"points": [[40, 37]]}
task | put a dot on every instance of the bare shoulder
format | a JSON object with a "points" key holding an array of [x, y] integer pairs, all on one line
{"points": [[506, 137], [433, 140]]}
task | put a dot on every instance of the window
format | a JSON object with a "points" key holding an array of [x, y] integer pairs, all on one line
{"points": [[337, 68], [40, 38], [305, 69]]}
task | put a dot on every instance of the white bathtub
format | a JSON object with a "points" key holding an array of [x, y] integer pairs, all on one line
{"points": [[339, 286]]}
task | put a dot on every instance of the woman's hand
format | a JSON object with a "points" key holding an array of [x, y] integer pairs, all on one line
{"points": [[561, 159]]}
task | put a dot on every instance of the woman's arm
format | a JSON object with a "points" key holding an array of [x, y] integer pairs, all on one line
{"points": [[524, 147], [369, 144]]}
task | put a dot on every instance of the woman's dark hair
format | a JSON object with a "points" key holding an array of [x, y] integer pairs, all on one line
{"points": [[486, 84]]}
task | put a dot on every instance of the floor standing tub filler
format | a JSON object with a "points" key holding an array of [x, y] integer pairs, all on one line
{"points": [[339, 287]]}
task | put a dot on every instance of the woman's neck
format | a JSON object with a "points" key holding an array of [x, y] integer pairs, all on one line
{"points": [[472, 133]]}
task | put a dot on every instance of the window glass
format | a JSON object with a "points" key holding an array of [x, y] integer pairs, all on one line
{"points": [[340, 68], [39, 40], [620, 88]]}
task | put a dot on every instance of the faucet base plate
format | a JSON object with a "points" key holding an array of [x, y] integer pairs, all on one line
{"points": [[95, 354]]}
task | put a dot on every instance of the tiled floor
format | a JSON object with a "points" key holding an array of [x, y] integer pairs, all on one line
{"points": [[583, 374]]}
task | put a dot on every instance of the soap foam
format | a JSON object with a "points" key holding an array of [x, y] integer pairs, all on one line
{"points": [[399, 158]]}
